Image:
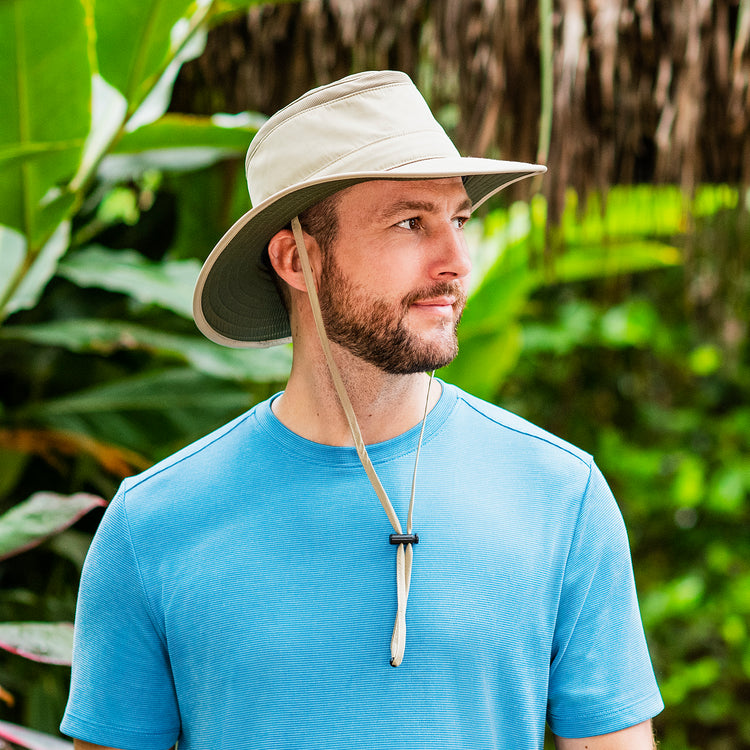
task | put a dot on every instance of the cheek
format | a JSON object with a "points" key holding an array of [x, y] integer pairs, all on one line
{"points": [[398, 271]]}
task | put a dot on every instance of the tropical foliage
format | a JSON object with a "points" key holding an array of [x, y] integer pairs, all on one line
{"points": [[621, 327], [101, 372]]}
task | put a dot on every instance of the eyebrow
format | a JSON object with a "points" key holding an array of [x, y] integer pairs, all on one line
{"points": [[418, 206]]}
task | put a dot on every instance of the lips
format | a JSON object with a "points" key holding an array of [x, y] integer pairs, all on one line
{"points": [[444, 301], [442, 295]]}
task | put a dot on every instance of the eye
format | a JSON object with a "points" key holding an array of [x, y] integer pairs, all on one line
{"points": [[412, 223], [460, 221]]}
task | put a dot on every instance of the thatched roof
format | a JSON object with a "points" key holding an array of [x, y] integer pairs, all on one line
{"points": [[640, 90]]}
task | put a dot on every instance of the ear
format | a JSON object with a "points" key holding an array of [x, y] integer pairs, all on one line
{"points": [[284, 257]]}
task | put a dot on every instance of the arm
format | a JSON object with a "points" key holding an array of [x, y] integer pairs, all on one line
{"points": [[601, 677], [638, 737]]}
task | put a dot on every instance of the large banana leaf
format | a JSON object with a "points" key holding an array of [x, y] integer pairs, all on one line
{"points": [[229, 133], [135, 41], [75, 77], [23, 274], [45, 91], [165, 391]]}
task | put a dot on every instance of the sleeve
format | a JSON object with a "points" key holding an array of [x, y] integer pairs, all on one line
{"points": [[601, 678], [122, 692]]}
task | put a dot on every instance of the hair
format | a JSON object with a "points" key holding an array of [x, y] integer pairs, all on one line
{"points": [[320, 221]]}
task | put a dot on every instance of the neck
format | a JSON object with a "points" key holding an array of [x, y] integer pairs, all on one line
{"points": [[386, 405]]}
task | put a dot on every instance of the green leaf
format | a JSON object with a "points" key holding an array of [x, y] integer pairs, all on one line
{"points": [[13, 463], [31, 739], [207, 203], [43, 268], [12, 256], [108, 112], [686, 678], [174, 131], [130, 167], [71, 544], [47, 642], [628, 213], [168, 284], [705, 360], [631, 324], [609, 258], [154, 414], [45, 91], [161, 391], [135, 41], [489, 335], [104, 337], [688, 487], [485, 360], [180, 143], [45, 513], [729, 489], [187, 45]]}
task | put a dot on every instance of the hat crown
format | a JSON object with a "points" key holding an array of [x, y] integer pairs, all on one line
{"points": [[368, 122]]}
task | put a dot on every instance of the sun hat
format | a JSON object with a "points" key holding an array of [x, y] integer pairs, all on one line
{"points": [[368, 126]]}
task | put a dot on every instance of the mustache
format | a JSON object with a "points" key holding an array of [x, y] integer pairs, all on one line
{"points": [[438, 289]]}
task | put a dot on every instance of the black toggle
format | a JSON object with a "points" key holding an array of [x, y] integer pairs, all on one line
{"points": [[404, 538]]}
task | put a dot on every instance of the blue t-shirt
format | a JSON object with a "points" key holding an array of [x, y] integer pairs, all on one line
{"points": [[241, 594]]}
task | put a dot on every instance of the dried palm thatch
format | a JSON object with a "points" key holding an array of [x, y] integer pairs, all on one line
{"points": [[641, 90]]}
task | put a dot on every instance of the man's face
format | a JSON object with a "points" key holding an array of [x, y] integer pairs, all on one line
{"points": [[393, 283]]}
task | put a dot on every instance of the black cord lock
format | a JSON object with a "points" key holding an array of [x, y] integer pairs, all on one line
{"points": [[404, 538]]}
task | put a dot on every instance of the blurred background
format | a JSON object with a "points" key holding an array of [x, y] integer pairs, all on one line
{"points": [[610, 297]]}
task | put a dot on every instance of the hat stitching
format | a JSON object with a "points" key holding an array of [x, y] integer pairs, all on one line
{"points": [[373, 143], [256, 143]]}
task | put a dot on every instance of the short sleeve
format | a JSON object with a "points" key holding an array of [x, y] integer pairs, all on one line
{"points": [[122, 693], [601, 678]]}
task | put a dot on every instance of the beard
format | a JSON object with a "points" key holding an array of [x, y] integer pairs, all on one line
{"points": [[376, 330]]}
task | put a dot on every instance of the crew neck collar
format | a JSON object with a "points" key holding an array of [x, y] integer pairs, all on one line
{"points": [[344, 456]]}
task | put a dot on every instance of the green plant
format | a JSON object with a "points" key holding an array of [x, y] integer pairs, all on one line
{"points": [[652, 379], [84, 143], [23, 527]]}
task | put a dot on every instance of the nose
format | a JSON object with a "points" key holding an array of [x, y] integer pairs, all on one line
{"points": [[450, 258]]}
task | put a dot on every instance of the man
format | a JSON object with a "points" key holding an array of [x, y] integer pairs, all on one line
{"points": [[241, 593]]}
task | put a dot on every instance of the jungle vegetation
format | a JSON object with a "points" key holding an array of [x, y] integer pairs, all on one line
{"points": [[609, 305]]}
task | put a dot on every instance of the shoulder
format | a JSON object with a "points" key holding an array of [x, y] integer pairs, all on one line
{"points": [[481, 419], [196, 455], [199, 475]]}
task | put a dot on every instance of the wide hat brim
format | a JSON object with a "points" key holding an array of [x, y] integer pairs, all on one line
{"points": [[236, 302]]}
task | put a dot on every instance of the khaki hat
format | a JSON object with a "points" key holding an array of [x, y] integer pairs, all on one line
{"points": [[368, 126]]}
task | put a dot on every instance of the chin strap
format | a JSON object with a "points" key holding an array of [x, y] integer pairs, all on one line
{"points": [[403, 541]]}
